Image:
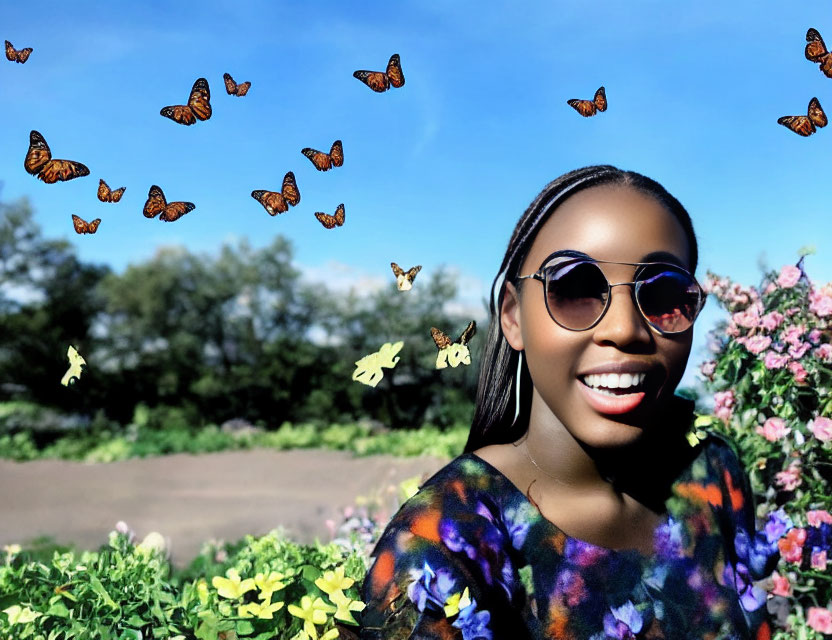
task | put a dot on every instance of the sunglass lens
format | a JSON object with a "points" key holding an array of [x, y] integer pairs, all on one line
{"points": [[576, 294], [669, 300]]}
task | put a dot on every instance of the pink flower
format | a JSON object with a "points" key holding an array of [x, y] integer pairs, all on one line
{"points": [[820, 304], [822, 428], [757, 344], [772, 320], [732, 330], [789, 275], [824, 352], [791, 545], [791, 311], [814, 336], [708, 368], [819, 560], [793, 334], [817, 517], [789, 479], [820, 619], [749, 318], [782, 586], [771, 287], [774, 429], [798, 371], [724, 404], [775, 361], [798, 352]]}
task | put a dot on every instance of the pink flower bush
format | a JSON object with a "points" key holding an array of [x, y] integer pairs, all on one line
{"points": [[723, 404], [791, 545], [817, 517], [775, 361], [756, 344], [797, 352], [789, 479], [782, 586], [789, 275], [824, 352], [818, 560], [774, 429], [820, 304], [798, 371], [820, 619], [772, 320], [707, 369], [814, 336], [793, 334], [821, 428]]}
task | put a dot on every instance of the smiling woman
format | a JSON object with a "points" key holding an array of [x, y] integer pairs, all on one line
{"points": [[579, 510]]}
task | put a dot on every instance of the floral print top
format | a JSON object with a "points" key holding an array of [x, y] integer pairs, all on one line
{"points": [[470, 556]]}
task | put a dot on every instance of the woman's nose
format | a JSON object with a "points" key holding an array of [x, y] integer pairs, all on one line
{"points": [[623, 321]]}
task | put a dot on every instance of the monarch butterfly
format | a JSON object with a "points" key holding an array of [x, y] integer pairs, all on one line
{"points": [[234, 89], [332, 221], [106, 195], [404, 279], [39, 162], [816, 52], [805, 125], [13, 55], [199, 105], [325, 161], [275, 202], [171, 211], [75, 364], [590, 107], [82, 226], [380, 81], [451, 352]]}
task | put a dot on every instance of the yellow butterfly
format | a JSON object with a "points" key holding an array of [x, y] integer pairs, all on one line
{"points": [[368, 369], [457, 601], [697, 434], [450, 352], [75, 362], [404, 279]]}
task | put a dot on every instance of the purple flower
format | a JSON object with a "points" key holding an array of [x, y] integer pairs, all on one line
{"points": [[668, 539], [583, 553], [434, 587], [474, 624], [624, 622], [751, 597], [777, 524]]}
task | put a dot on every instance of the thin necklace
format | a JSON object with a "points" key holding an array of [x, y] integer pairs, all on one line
{"points": [[528, 453]]}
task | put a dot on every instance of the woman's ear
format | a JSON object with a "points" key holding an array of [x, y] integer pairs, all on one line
{"points": [[510, 317]]}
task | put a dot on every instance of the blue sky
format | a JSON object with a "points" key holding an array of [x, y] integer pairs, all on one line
{"points": [[435, 173]]}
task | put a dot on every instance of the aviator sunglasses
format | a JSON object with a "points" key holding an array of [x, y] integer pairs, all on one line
{"points": [[577, 293]]}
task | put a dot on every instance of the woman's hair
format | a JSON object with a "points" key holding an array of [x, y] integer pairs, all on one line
{"points": [[494, 411]]}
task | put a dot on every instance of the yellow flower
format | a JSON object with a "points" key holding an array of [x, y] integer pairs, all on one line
{"points": [[232, 587], [263, 611], [268, 584], [20, 615], [11, 551], [345, 606], [311, 613], [202, 591], [334, 580], [332, 634], [455, 602]]}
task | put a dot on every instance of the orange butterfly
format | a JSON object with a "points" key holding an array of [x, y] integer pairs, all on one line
{"points": [[171, 211], [380, 81], [105, 195], [805, 125], [816, 52], [325, 161], [332, 221], [13, 55], [39, 162], [590, 107], [275, 202], [82, 226], [199, 105], [234, 89]]}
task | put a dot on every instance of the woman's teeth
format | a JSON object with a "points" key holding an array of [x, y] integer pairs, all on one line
{"points": [[614, 384]]}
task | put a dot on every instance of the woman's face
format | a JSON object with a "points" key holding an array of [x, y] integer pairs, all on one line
{"points": [[608, 222]]}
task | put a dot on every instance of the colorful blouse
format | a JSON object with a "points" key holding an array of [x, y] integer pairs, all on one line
{"points": [[469, 556]]}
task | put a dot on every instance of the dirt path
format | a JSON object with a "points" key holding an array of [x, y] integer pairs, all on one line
{"points": [[191, 499]]}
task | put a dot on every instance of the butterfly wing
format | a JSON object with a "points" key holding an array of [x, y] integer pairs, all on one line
{"points": [[397, 270], [816, 52], [394, 71], [336, 154], [230, 85], [105, 194], [38, 154], [290, 189], [816, 113], [75, 364], [801, 125], [440, 338], [180, 113], [272, 201], [600, 99], [156, 202], [82, 226], [200, 99], [411, 273], [11, 52], [327, 220], [376, 80], [468, 333], [23, 54], [242, 89], [321, 160], [176, 210], [585, 107], [368, 370], [62, 170], [13, 55], [340, 214]]}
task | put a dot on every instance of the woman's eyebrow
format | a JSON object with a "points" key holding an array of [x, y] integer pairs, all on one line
{"points": [[662, 256]]}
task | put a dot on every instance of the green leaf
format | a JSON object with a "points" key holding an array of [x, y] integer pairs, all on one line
{"points": [[101, 591], [244, 627]]}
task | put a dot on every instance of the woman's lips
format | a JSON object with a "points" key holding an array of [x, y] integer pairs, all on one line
{"points": [[608, 404]]}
